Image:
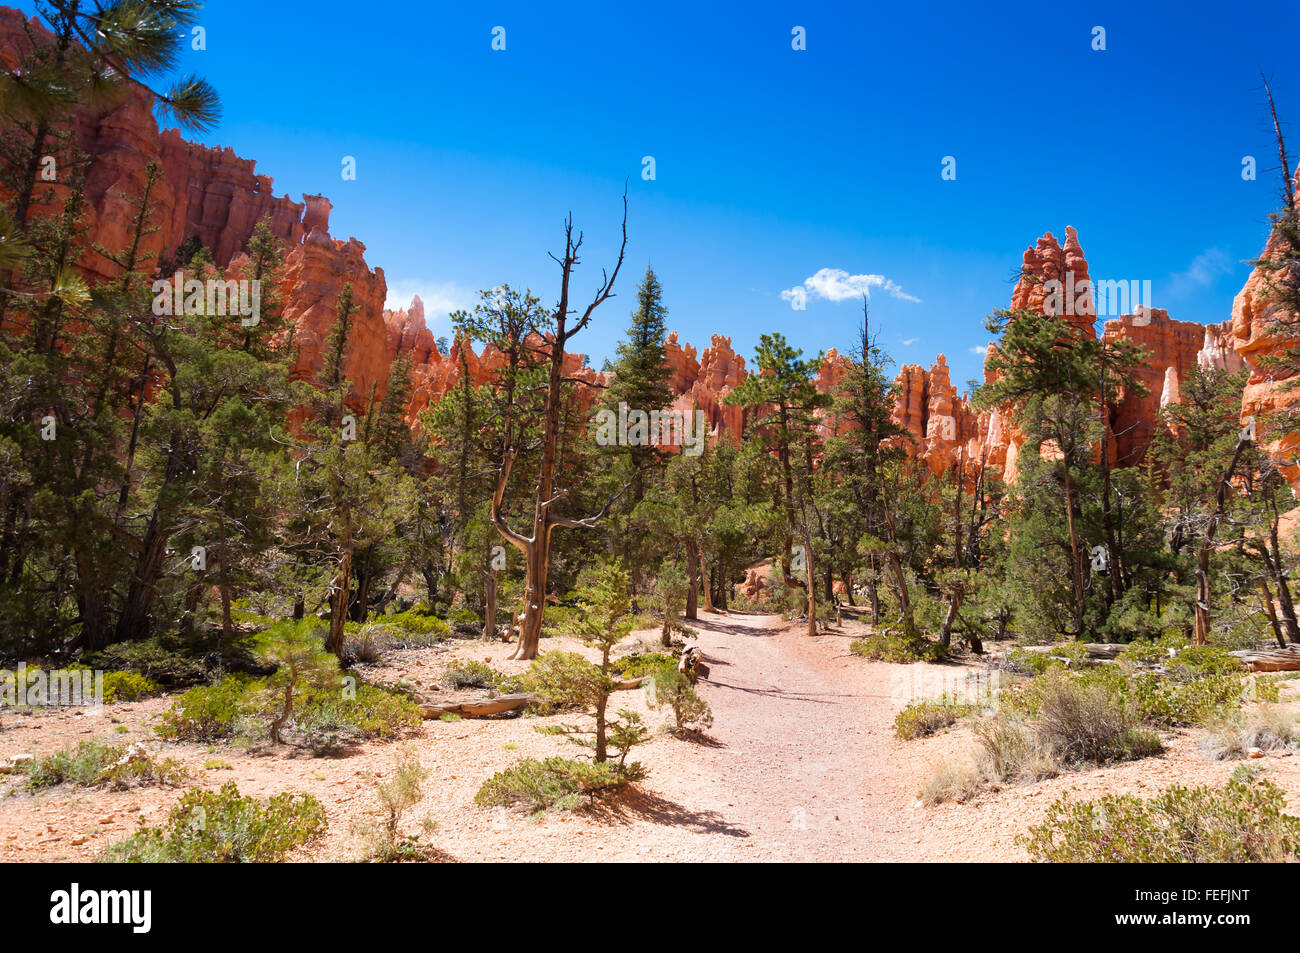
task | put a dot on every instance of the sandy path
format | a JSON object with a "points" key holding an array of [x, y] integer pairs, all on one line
{"points": [[801, 732]]}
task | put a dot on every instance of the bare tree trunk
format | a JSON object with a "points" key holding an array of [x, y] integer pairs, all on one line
{"points": [[1277, 569], [954, 606], [693, 574], [1272, 613], [1076, 569], [490, 605], [339, 601], [1201, 611]]}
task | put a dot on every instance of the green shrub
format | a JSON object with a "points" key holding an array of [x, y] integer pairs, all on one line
{"points": [[416, 628], [166, 661], [928, 715], [464, 617], [1147, 697], [554, 783], [225, 827], [472, 674], [239, 706], [1079, 722], [1152, 651], [1172, 703], [897, 647], [97, 765], [208, 712], [375, 712], [675, 690], [1071, 655], [1242, 822], [129, 686], [640, 664], [1199, 661]]}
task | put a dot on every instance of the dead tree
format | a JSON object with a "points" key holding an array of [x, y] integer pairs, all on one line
{"points": [[536, 545]]}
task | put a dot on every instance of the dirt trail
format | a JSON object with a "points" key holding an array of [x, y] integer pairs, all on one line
{"points": [[803, 761]]}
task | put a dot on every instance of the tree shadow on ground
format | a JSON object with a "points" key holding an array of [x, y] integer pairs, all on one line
{"points": [[637, 804], [697, 738], [821, 698], [723, 628]]}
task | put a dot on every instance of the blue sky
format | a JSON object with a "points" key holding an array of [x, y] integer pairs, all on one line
{"points": [[771, 164]]}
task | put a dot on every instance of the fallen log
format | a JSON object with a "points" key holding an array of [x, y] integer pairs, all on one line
{"points": [[1274, 660], [486, 707], [481, 708], [1095, 650]]}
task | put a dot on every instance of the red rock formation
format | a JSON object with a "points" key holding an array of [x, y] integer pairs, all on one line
{"points": [[1047, 261], [683, 368], [1170, 345], [1269, 390], [1217, 350], [209, 193], [943, 426], [721, 369]]}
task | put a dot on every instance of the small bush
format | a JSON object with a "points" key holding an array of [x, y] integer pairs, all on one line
{"points": [[225, 827], [674, 690], [207, 712], [416, 629], [951, 783], [1231, 736], [239, 706], [472, 674], [896, 647], [640, 664], [396, 796], [96, 765], [1010, 752], [164, 661], [365, 645], [375, 712], [924, 717], [129, 687], [1071, 655], [1241, 822], [556, 783], [1080, 722]]}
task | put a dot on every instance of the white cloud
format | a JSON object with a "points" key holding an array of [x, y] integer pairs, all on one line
{"points": [[980, 349], [440, 298], [1204, 270], [909, 342], [836, 284]]}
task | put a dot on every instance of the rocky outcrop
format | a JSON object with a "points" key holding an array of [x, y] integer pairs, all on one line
{"points": [[1170, 346], [211, 194], [943, 427], [720, 370], [1047, 261], [1270, 389]]}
